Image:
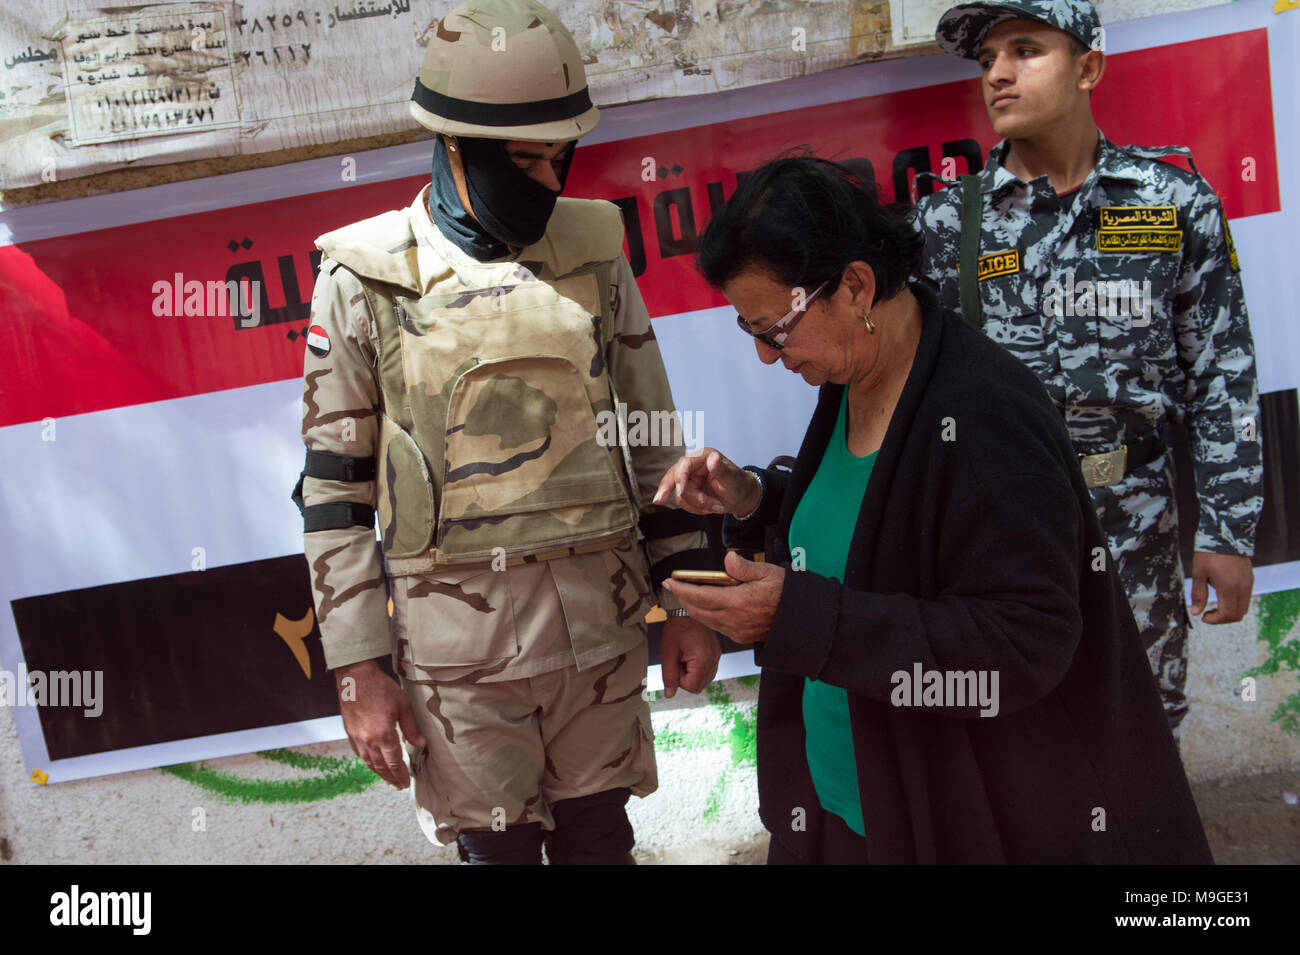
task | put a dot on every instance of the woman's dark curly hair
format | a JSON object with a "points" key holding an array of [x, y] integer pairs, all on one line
{"points": [[802, 219]]}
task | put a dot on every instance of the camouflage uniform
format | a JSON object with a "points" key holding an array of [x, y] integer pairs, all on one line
{"points": [[524, 664], [1114, 377]]}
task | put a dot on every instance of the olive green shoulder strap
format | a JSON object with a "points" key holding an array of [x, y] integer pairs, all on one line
{"points": [[972, 214]]}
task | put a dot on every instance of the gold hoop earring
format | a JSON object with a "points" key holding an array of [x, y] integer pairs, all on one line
{"points": [[871, 326]]}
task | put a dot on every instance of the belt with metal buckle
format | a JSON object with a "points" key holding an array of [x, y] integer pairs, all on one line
{"points": [[1110, 467]]}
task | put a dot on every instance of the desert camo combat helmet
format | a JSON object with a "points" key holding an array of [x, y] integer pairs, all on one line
{"points": [[503, 69]]}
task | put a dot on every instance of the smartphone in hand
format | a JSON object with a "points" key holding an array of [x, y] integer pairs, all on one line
{"points": [[708, 578]]}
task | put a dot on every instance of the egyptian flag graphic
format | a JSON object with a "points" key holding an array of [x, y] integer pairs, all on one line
{"points": [[184, 655], [318, 343]]}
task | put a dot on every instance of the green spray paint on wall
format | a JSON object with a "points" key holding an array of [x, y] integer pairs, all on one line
{"points": [[1278, 613], [738, 738], [337, 776]]}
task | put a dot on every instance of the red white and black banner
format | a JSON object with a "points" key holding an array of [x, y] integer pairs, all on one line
{"points": [[152, 343]]}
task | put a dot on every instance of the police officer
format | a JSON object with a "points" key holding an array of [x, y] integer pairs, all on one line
{"points": [[1111, 273], [473, 362]]}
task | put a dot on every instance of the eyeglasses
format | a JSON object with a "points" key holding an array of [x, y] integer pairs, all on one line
{"points": [[777, 333]]}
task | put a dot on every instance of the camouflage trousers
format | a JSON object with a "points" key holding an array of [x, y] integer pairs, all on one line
{"points": [[500, 754], [1140, 519]]}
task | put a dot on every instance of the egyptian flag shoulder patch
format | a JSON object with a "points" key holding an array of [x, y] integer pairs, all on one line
{"points": [[318, 343]]}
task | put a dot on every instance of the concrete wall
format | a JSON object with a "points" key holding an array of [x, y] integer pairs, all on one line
{"points": [[262, 809]]}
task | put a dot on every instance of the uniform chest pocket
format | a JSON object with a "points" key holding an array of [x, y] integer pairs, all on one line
{"points": [[1013, 317], [1010, 306], [1132, 305]]}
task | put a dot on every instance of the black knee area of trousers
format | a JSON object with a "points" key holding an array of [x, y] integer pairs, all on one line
{"points": [[514, 845], [591, 830]]}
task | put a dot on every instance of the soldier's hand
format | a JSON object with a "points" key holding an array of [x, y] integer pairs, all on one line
{"points": [[706, 482], [1232, 578], [688, 655], [372, 707]]}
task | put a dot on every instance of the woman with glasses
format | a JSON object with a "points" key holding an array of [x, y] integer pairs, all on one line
{"points": [[950, 671]]}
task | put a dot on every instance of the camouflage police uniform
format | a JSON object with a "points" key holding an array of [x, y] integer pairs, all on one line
{"points": [[475, 405], [1052, 278]]}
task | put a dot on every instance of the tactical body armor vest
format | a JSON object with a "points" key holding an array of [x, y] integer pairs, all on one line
{"points": [[492, 378]]}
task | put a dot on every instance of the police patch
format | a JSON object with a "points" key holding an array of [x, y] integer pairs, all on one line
{"points": [[1146, 240], [318, 343], [1233, 262], [999, 263], [1138, 217]]}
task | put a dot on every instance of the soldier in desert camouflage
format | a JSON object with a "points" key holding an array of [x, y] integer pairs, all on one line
{"points": [[1112, 275], [460, 352]]}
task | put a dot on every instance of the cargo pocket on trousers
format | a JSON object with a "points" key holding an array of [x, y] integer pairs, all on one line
{"points": [[414, 757], [430, 810], [644, 764]]}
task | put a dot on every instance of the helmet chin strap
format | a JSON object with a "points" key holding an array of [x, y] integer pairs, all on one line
{"points": [[456, 161], [458, 173]]}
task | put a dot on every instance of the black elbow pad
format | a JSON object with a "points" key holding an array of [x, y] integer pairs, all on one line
{"points": [[335, 514]]}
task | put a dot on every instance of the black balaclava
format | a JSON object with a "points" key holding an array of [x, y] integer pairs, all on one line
{"points": [[511, 207]]}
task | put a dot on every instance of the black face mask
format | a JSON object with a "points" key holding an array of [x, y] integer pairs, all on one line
{"points": [[511, 207]]}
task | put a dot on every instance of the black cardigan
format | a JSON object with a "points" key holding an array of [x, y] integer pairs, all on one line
{"points": [[974, 549]]}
